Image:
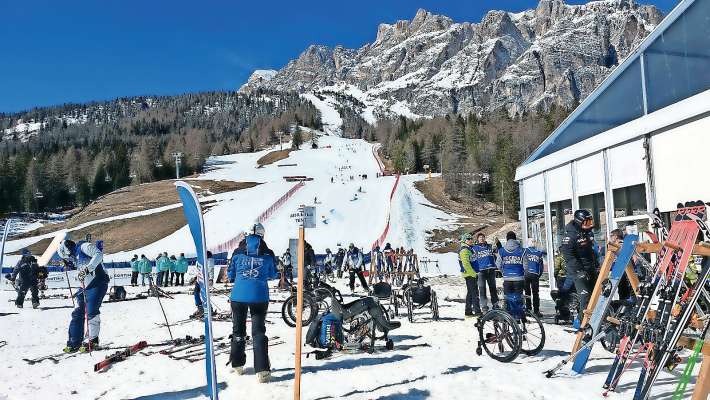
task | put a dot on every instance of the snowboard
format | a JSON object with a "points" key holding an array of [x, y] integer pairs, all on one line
{"points": [[618, 269]]}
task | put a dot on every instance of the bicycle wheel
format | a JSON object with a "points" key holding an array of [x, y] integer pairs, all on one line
{"points": [[288, 311], [499, 335], [533, 334]]}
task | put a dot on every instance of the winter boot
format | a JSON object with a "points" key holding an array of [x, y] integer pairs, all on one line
{"points": [[90, 345], [238, 370], [35, 305], [71, 349], [264, 376], [19, 305], [198, 314]]}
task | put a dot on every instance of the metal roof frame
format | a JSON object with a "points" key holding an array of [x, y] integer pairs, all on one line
{"points": [[633, 56]]}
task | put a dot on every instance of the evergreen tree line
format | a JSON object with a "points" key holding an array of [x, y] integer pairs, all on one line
{"points": [[477, 156], [85, 151]]}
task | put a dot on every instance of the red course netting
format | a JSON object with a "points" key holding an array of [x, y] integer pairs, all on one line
{"points": [[381, 165], [232, 244]]}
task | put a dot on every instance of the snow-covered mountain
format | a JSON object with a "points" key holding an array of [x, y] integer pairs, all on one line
{"points": [[553, 54]]}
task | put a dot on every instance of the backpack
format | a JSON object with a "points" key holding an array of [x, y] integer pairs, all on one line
{"points": [[327, 333]]}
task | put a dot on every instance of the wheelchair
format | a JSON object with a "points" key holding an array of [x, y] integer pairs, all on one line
{"points": [[505, 333], [318, 297], [417, 295]]}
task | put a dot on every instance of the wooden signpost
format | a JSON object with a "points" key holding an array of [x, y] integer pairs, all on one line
{"points": [[306, 216]]}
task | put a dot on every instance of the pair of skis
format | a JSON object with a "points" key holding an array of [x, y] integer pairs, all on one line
{"points": [[658, 336], [594, 327]]}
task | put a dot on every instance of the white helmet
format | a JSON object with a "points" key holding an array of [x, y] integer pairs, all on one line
{"points": [[258, 229], [65, 249]]}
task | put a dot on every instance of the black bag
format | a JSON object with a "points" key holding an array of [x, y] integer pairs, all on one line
{"points": [[421, 294], [117, 293]]}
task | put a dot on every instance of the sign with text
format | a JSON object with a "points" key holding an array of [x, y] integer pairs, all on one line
{"points": [[305, 216]]}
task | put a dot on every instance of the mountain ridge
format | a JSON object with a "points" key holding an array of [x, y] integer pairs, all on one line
{"points": [[552, 55]]}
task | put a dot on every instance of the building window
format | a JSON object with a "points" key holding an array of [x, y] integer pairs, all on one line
{"points": [[561, 213], [676, 64], [630, 200], [595, 204], [536, 226]]}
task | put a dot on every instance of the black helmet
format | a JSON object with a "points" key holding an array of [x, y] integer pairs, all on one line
{"points": [[581, 216]]}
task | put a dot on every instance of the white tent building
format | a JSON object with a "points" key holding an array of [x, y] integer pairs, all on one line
{"points": [[640, 140]]}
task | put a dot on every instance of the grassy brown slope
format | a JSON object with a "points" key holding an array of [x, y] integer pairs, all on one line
{"points": [[272, 157]]}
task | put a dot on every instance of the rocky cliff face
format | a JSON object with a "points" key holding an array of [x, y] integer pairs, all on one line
{"points": [[517, 62]]}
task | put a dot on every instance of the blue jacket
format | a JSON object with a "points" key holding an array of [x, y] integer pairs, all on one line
{"points": [[90, 258], [510, 261], [533, 260], [252, 266], [483, 255]]}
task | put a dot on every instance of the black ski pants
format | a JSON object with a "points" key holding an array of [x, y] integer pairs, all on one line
{"points": [[487, 278], [360, 275], [258, 334], [473, 305], [532, 289], [583, 283], [22, 292], [134, 278]]}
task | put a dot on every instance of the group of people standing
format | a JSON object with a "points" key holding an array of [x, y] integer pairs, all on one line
{"points": [[351, 261], [27, 276], [170, 271], [520, 268]]}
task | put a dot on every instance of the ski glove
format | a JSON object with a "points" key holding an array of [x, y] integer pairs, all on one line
{"points": [[82, 273]]}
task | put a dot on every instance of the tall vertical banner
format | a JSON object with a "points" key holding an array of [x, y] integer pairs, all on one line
{"points": [[193, 215], [2, 244]]}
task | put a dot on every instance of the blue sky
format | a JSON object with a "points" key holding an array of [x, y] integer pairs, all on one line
{"points": [[56, 52]]}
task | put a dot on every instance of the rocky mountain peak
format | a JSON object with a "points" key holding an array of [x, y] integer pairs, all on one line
{"points": [[430, 65]]}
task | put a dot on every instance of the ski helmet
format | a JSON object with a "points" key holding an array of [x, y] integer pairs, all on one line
{"points": [[258, 229], [66, 249], [466, 236], [582, 215], [327, 251]]}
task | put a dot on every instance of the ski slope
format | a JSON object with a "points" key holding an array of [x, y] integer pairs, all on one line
{"points": [[340, 219]]}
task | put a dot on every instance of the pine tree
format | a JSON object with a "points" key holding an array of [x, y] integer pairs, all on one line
{"points": [[296, 139]]}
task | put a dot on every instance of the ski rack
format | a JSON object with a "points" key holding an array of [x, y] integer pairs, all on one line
{"points": [[702, 386]]}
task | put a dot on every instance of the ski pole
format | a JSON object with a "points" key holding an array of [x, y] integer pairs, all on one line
{"points": [[551, 372], [86, 314], [167, 324], [66, 273]]}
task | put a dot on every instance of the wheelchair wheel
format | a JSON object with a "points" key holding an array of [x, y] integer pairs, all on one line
{"points": [[533, 334], [288, 311], [434, 306], [324, 299], [410, 306], [395, 303], [499, 335], [377, 331]]}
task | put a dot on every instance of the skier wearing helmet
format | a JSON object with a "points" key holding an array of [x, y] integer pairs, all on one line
{"points": [[87, 259], [252, 265], [578, 251]]}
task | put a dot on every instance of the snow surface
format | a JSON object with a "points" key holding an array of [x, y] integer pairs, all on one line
{"points": [[359, 222], [330, 117], [431, 360]]}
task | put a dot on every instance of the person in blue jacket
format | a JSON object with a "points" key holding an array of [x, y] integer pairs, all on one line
{"points": [[510, 262], [533, 261], [88, 261], [485, 260], [253, 265]]}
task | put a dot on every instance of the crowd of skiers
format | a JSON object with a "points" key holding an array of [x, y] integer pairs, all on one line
{"points": [[170, 271]]}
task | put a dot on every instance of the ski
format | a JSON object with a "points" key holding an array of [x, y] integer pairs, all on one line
{"points": [[690, 366], [55, 358], [631, 327], [608, 289], [119, 356], [671, 324]]}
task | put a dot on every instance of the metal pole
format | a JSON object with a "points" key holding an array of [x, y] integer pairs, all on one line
{"points": [[299, 313], [502, 198], [2, 246]]}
